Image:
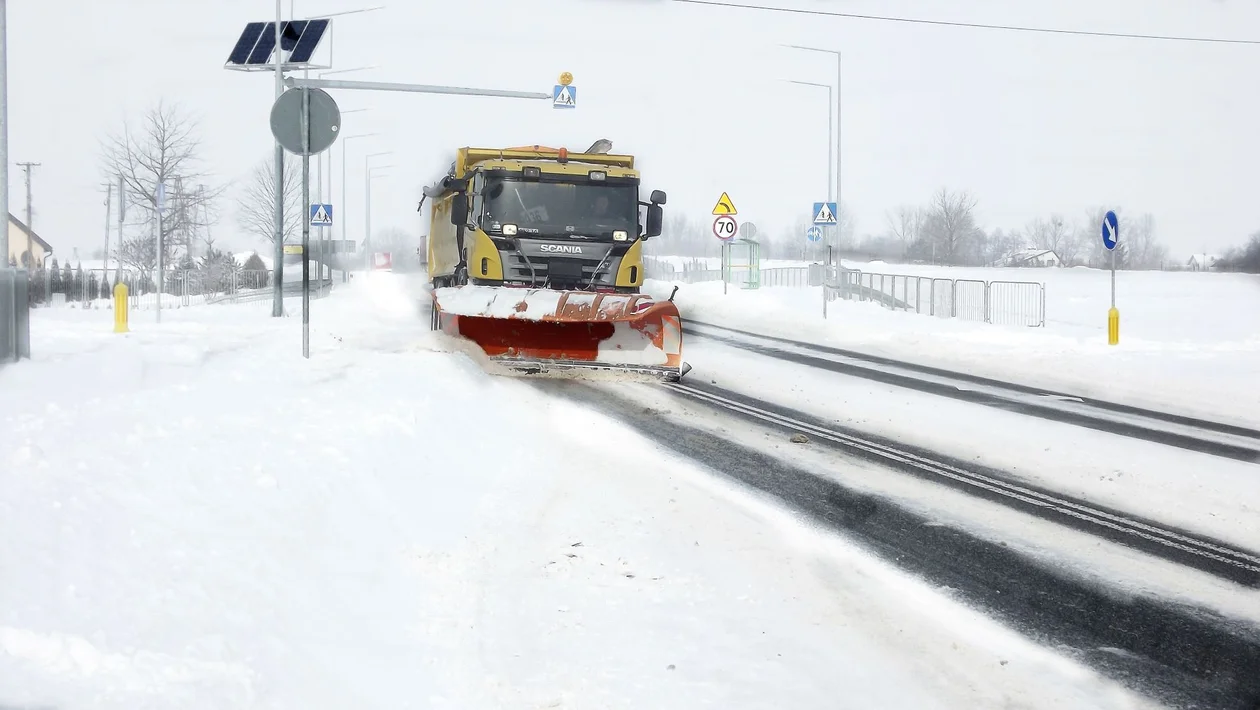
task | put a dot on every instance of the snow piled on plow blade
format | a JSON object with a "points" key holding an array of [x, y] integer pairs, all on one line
{"points": [[544, 329]]}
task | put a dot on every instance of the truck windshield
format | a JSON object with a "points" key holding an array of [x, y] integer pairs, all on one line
{"points": [[550, 209]]}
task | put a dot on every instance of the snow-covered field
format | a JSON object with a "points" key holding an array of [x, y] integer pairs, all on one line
{"points": [[1189, 342], [193, 515]]}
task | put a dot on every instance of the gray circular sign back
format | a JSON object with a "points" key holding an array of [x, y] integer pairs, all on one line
{"points": [[286, 121], [748, 230]]}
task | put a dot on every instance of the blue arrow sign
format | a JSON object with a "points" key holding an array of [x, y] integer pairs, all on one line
{"points": [[321, 215], [1110, 230], [813, 234]]}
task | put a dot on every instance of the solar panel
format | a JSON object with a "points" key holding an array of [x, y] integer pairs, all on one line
{"points": [[309, 42], [290, 33], [244, 45], [266, 43]]}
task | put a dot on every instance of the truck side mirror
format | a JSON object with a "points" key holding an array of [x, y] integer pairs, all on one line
{"points": [[459, 209], [658, 197], [655, 221]]}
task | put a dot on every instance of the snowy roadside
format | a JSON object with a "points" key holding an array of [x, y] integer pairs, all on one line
{"points": [[194, 515], [1196, 376]]}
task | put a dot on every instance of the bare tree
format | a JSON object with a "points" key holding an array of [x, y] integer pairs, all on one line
{"points": [[905, 223], [162, 149], [1052, 234], [1144, 250], [394, 239], [952, 222], [256, 206], [845, 229]]}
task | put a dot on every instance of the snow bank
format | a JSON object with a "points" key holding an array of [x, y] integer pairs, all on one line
{"points": [[193, 515], [1171, 355]]}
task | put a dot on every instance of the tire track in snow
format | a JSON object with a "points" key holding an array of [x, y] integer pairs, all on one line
{"points": [[1190, 433]]}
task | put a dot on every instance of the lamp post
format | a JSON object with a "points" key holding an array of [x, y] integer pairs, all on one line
{"points": [[830, 194], [319, 190], [367, 192], [344, 141], [367, 207], [4, 135], [839, 120]]}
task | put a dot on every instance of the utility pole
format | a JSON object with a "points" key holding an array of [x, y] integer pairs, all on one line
{"points": [[4, 130], [122, 216], [109, 195], [277, 286], [30, 244]]}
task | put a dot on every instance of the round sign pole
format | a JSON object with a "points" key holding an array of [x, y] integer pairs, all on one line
{"points": [[1111, 240], [306, 223]]}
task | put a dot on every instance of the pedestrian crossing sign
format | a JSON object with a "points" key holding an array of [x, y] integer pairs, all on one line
{"points": [[321, 215], [564, 96], [824, 213]]}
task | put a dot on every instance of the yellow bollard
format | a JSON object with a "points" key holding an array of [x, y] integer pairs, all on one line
{"points": [[120, 308], [1113, 327]]}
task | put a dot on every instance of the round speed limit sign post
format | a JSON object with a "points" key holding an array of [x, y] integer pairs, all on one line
{"points": [[725, 228]]}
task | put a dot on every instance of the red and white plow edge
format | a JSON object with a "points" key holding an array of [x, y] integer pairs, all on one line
{"points": [[539, 329]]}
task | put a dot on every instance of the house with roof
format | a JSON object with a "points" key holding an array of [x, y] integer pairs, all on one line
{"points": [[1030, 257], [19, 236], [1202, 262]]}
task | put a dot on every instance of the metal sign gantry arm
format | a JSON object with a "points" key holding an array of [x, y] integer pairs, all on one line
{"points": [[299, 83]]}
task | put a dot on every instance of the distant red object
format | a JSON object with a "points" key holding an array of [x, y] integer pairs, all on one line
{"points": [[381, 261]]}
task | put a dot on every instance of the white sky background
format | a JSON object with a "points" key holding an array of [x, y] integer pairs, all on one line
{"points": [[1031, 124]]}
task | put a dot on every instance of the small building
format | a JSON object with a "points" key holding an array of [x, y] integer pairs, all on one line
{"points": [[1032, 257], [1202, 262], [18, 236]]}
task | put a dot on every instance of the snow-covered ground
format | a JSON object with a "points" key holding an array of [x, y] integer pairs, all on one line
{"points": [[1189, 342], [193, 515]]}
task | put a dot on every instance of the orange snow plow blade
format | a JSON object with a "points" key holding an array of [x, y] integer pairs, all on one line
{"points": [[537, 331]]}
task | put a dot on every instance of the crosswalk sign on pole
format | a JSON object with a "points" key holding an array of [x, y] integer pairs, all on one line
{"points": [[824, 213], [321, 215], [724, 206], [564, 96]]}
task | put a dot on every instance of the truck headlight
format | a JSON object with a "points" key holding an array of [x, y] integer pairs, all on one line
{"points": [[509, 230], [620, 235]]}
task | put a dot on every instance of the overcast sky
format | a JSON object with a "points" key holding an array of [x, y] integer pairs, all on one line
{"points": [[1030, 124]]}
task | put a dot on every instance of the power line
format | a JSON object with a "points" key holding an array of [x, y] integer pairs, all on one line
{"points": [[973, 25]]}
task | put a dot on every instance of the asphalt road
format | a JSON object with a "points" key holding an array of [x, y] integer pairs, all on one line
{"points": [[1180, 655]]}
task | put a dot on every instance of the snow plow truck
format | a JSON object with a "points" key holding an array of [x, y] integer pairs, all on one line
{"points": [[535, 255]]}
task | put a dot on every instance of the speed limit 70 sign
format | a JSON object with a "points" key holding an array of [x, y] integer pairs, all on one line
{"points": [[725, 228]]}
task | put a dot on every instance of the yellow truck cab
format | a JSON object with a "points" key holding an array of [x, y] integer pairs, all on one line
{"points": [[542, 218]]}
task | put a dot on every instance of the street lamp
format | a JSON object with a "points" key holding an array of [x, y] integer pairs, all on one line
{"points": [[830, 194], [830, 126], [367, 207], [839, 120], [367, 187], [343, 142]]}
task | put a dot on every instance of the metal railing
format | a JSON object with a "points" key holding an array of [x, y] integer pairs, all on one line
{"points": [[93, 288], [1001, 302], [15, 315], [789, 276]]}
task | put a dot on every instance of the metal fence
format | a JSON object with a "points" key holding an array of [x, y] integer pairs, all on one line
{"points": [[15, 315], [791, 277], [93, 288], [1001, 302]]}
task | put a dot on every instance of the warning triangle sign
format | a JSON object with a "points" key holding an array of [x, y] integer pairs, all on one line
{"points": [[724, 205]]}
